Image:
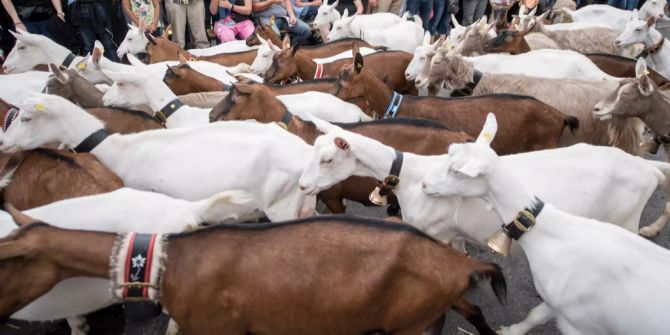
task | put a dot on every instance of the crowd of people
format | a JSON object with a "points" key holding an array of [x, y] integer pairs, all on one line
{"points": [[197, 23]]}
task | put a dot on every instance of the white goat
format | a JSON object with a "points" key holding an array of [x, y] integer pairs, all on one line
{"points": [[31, 50], [124, 210], [405, 36], [328, 14], [656, 46], [613, 186], [17, 87], [595, 278], [614, 17], [189, 163]]}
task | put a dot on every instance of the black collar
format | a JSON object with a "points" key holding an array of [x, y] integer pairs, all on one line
{"points": [[91, 141], [393, 179], [137, 301], [169, 109], [286, 119], [470, 87], [524, 221], [68, 60]]}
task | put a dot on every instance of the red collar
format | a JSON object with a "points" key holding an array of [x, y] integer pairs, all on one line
{"points": [[319, 71]]}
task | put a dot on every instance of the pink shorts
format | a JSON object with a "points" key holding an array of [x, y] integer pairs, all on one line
{"points": [[227, 32]]}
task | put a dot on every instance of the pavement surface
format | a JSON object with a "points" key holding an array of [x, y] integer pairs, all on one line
{"points": [[521, 294]]}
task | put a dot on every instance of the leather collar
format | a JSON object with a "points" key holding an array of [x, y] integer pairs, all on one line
{"points": [[91, 141], [9, 117], [524, 221], [394, 106], [68, 61], [285, 120], [169, 109], [392, 180], [470, 87], [654, 49], [137, 283]]}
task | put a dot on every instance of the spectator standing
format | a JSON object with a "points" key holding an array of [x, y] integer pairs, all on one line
{"points": [[147, 11], [234, 20], [473, 10], [422, 8], [386, 6], [623, 4], [33, 15], [439, 23], [94, 23], [179, 13], [306, 10], [353, 6], [285, 18]]}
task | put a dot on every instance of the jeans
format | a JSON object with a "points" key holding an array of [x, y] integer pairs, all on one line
{"points": [[94, 24], [421, 8], [473, 10], [439, 24], [39, 27], [300, 32], [309, 14]]}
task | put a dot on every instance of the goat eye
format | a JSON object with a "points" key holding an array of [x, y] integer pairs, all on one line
{"points": [[638, 29], [21, 48], [326, 161], [25, 119]]}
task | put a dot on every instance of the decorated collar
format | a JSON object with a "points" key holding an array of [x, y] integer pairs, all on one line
{"points": [[524, 221], [8, 118], [68, 60], [319, 71], [138, 262], [169, 109], [654, 49], [394, 106], [380, 193], [92, 141], [285, 120]]}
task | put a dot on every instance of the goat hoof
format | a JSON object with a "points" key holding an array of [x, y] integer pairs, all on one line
{"points": [[648, 232]]}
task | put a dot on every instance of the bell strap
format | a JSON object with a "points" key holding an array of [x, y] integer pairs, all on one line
{"points": [[394, 106], [285, 119], [524, 221], [169, 109], [392, 180]]}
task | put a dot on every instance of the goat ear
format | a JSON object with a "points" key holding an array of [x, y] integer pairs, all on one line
{"points": [[245, 89], [439, 42], [635, 16], [345, 14], [171, 70], [19, 218], [273, 47], [263, 41], [532, 12], [471, 169], [454, 20], [295, 49], [97, 54], [358, 63], [11, 249], [150, 37], [488, 131], [644, 85], [60, 76], [341, 143], [286, 43], [426, 38], [334, 5], [651, 21]]}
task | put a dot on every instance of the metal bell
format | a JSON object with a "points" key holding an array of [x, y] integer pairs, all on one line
{"points": [[500, 243], [376, 198]]}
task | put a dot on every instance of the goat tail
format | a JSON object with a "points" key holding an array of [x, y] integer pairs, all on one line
{"points": [[572, 123], [224, 205], [492, 272]]}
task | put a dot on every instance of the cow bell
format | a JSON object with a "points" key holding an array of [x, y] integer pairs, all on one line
{"points": [[376, 198], [500, 243]]}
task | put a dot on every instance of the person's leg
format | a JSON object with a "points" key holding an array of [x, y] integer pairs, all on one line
{"points": [[425, 8], [103, 29], [223, 32], [621, 4], [383, 6], [244, 29], [481, 9], [443, 26], [439, 9], [396, 6], [469, 7], [177, 16], [631, 4], [412, 7], [196, 21], [87, 35], [300, 32]]}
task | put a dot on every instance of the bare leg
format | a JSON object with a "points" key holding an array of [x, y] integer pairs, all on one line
{"points": [[537, 316], [655, 228]]}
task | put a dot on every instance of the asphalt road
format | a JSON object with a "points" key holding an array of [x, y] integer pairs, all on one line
{"points": [[521, 296]]}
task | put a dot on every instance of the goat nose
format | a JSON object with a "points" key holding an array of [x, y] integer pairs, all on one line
{"points": [[302, 188], [423, 185]]}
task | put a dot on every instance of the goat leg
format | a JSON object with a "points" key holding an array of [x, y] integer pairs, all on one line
{"points": [[655, 228], [537, 316]]}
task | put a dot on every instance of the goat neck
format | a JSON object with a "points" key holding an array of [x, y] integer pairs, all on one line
{"points": [[161, 95], [306, 66], [374, 158], [377, 94]]}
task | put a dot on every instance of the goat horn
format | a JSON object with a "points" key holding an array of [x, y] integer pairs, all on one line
{"points": [[19, 217]]}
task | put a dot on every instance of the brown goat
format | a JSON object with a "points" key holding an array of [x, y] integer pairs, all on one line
{"points": [[264, 31], [424, 137], [572, 97], [366, 275], [543, 125], [623, 67], [517, 42], [387, 65]]}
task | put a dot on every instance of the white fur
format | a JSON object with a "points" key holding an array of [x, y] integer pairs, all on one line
{"points": [[324, 106], [405, 36], [31, 50], [121, 211], [328, 14], [16, 88], [638, 31], [188, 163], [614, 17], [594, 277]]}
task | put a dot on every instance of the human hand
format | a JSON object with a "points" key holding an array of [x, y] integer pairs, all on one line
{"points": [[61, 16], [292, 20], [20, 25], [153, 26]]}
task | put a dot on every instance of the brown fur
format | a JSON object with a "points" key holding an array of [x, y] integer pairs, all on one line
{"points": [[182, 79], [517, 42], [389, 66], [466, 115], [572, 97], [255, 101], [76, 88], [265, 31], [403, 279], [622, 67]]}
